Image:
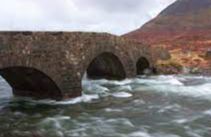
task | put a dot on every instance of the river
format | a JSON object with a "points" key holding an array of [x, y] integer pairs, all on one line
{"points": [[146, 106]]}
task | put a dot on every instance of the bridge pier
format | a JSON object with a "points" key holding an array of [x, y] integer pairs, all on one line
{"points": [[52, 64]]}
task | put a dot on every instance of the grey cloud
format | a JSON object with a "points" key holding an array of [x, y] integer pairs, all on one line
{"points": [[112, 5], [113, 16]]}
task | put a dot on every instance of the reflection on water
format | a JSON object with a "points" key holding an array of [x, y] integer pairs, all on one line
{"points": [[155, 106]]}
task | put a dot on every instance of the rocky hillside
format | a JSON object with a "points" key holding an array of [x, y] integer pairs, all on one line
{"points": [[184, 18], [184, 28]]}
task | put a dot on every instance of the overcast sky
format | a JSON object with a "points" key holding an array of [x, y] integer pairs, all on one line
{"points": [[113, 16]]}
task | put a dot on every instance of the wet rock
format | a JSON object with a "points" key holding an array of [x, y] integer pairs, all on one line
{"points": [[170, 68]]}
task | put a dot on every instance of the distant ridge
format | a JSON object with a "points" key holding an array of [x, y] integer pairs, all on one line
{"points": [[183, 20]]}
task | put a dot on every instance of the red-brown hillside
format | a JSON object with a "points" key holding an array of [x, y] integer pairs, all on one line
{"points": [[184, 25], [184, 18]]}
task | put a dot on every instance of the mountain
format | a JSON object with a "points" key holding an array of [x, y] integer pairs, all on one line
{"points": [[184, 28], [184, 19]]}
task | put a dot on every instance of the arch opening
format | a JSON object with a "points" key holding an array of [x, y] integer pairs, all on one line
{"points": [[143, 66], [30, 82], [106, 66]]}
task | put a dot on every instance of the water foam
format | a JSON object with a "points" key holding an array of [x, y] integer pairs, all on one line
{"points": [[84, 98], [94, 89], [122, 95], [139, 134], [171, 84], [174, 84]]}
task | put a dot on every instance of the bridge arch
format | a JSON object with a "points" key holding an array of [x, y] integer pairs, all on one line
{"points": [[62, 59], [142, 65], [30, 82], [106, 65]]}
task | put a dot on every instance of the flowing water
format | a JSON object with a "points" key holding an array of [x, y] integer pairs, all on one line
{"points": [[147, 106]]}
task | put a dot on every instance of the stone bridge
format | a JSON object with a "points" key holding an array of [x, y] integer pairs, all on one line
{"points": [[52, 64]]}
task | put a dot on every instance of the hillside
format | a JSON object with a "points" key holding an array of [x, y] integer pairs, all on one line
{"points": [[184, 28]]}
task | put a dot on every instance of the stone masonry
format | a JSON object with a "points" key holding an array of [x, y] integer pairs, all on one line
{"points": [[52, 64]]}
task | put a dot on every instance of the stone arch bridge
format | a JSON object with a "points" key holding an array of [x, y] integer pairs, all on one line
{"points": [[52, 64]]}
